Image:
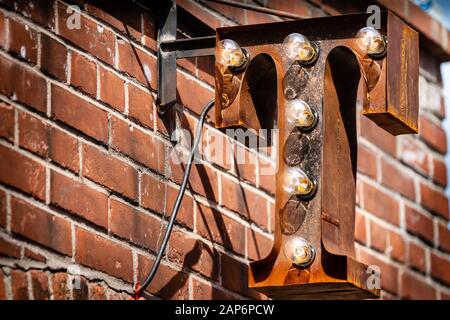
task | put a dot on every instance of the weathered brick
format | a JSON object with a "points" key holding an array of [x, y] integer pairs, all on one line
{"points": [[96, 291], [17, 81], [360, 227], [194, 254], [267, 175], [2, 209], [22, 41], [419, 224], [40, 226], [64, 149], [258, 245], [415, 288], [137, 144], [152, 191], [389, 273], [381, 204], [6, 121], [33, 134], [60, 286], [112, 89], [2, 286], [134, 225], [104, 255], [32, 255], [434, 200], [415, 155], [40, 11], [245, 164], [79, 113], [140, 105], [367, 162], [417, 259], [397, 180], [81, 290], [19, 284], [186, 86], [381, 138], [22, 172], [396, 246], [378, 236], [444, 237], [83, 74], [79, 199], [110, 172], [185, 215], [201, 13], [440, 268], [53, 57], [90, 36], [219, 150], [168, 283], [137, 63], [217, 227], [440, 172], [205, 291], [149, 31], [39, 282], [433, 135], [9, 249]]}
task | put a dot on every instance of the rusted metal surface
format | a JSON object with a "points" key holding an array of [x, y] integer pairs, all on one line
{"points": [[328, 152]]}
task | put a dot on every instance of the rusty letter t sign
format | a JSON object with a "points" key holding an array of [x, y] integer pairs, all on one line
{"points": [[301, 77]]}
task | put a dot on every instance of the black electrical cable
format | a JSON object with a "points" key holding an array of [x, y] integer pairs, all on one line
{"points": [[177, 204]]}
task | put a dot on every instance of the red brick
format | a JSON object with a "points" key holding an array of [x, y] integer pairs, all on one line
{"points": [[64, 149], [444, 237], [19, 284], [367, 162], [137, 144], [140, 105], [125, 18], [254, 17], [378, 236], [440, 268], [360, 227], [417, 259], [39, 282], [396, 246], [2, 209], [2, 286], [200, 13], [53, 57], [202, 180], [149, 31], [104, 255], [440, 172], [433, 135], [22, 173], [79, 199], [110, 172], [419, 224], [205, 291], [381, 138], [6, 121], [152, 191], [79, 113], [185, 215], [194, 254], [96, 291], [245, 164], [9, 249], [2, 34], [90, 37], [17, 81], [415, 155], [40, 11], [381, 204], [33, 134], [415, 288], [389, 273], [137, 63], [434, 200], [217, 227], [81, 291], [397, 180], [186, 86], [59, 286], [219, 151], [258, 245], [29, 254], [83, 74], [206, 69], [267, 176], [40, 226], [168, 283], [22, 41], [136, 226], [112, 89]]}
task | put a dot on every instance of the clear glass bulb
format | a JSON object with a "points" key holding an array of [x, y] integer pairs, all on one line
{"points": [[299, 114], [298, 47], [299, 251], [230, 54], [371, 41], [295, 181]]}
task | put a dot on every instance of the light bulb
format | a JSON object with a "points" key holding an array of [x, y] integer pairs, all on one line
{"points": [[230, 54], [371, 41], [299, 251], [300, 114], [298, 47], [296, 182]]}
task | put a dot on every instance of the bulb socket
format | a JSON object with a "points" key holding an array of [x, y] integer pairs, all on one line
{"points": [[313, 124], [311, 193], [313, 60], [244, 65]]}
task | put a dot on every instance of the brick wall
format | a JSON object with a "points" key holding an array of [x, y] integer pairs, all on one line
{"points": [[87, 177]]}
